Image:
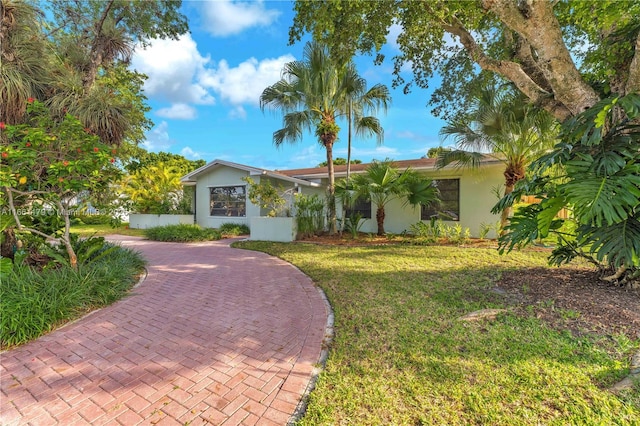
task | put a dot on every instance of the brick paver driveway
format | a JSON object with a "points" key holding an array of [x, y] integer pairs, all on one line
{"points": [[213, 335]]}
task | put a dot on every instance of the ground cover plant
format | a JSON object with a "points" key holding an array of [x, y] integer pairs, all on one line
{"points": [[233, 229], [87, 230], [35, 301], [182, 233], [402, 356]]}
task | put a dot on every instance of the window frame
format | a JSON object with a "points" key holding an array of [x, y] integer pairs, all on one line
{"points": [[436, 210], [239, 207], [360, 208]]}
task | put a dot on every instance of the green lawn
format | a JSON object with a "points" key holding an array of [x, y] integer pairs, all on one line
{"points": [[402, 357], [105, 229]]}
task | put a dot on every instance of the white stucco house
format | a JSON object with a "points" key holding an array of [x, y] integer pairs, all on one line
{"points": [[467, 195]]}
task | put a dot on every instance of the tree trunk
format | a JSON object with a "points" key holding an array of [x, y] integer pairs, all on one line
{"points": [[536, 21], [506, 213], [9, 244], [380, 218], [331, 189], [96, 54]]}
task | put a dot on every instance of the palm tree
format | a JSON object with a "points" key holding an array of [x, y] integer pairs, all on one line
{"points": [[24, 64], [313, 94], [382, 183], [504, 126]]}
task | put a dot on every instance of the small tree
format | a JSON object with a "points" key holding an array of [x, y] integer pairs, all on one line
{"points": [[267, 196], [382, 183], [48, 163]]}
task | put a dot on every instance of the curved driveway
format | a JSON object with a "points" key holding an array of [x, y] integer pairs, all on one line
{"points": [[213, 335]]}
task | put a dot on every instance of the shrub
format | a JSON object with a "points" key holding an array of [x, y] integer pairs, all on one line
{"points": [[34, 302], [94, 219], [182, 233], [436, 230], [309, 215], [234, 229]]}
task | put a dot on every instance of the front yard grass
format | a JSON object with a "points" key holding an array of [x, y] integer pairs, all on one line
{"points": [[105, 229], [401, 356]]}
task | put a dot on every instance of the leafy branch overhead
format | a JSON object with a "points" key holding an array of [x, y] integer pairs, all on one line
{"points": [[470, 44]]}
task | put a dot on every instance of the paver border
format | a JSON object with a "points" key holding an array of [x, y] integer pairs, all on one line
{"points": [[301, 408]]}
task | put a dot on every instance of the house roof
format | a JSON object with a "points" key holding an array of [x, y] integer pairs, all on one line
{"points": [[417, 164], [302, 176], [190, 179]]}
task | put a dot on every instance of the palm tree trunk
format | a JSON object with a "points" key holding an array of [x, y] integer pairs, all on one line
{"points": [[344, 210], [380, 218], [506, 213], [331, 190]]}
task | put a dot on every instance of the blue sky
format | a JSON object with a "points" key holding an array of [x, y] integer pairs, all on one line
{"points": [[204, 89]]}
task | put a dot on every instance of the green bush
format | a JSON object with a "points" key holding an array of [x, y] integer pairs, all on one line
{"points": [[309, 215], [436, 230], [94, 219], [182, 233], [34, 302], [234, 229]]}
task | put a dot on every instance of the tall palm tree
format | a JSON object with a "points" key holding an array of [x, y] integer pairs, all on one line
{"points": [[502, 125], [382, 183], [312, 95]]}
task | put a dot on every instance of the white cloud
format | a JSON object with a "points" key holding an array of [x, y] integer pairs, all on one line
{"points": [[379, 152], [309, 156], [174, 68], [238, 112], [392, 36], [158, 138], [178, 111], [189, 153], [244, 84], [224, 17]]}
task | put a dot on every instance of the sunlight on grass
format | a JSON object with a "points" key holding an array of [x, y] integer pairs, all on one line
{"points": [[401, 356], [105, 229]]}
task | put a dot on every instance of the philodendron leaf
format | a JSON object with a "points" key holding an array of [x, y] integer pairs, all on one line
{"points": [[549, 210]]}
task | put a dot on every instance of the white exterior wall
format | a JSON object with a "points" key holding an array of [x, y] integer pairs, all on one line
{"points": [[220, 176], [477, 197], [144, 221]]}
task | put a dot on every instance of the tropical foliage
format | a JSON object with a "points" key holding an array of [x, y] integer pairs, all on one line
{"points": [[267, 196], [501, 125], [34, 302], [71, 63], [600, 153], [469, 43], [313, 94], [155, 189], [182, 233], [340, 161], [45, 164], [382, 183]]}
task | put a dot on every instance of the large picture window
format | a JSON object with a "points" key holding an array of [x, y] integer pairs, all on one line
{"points": [[449, 206], [360, 206], [228, 201]]}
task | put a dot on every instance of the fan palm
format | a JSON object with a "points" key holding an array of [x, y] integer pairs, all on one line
{"points": [[504, 126], [382, 182], [312, 95]]}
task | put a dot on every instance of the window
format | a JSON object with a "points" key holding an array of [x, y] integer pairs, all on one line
{"points": [[360, 206], [228, 201], [449, 206]]}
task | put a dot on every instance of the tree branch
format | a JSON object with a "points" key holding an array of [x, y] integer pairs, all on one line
{"points": [[542, 30], [509, 69], [96, 49]]}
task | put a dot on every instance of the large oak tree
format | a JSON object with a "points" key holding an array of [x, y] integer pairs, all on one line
{"points": [[563, 55]]}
